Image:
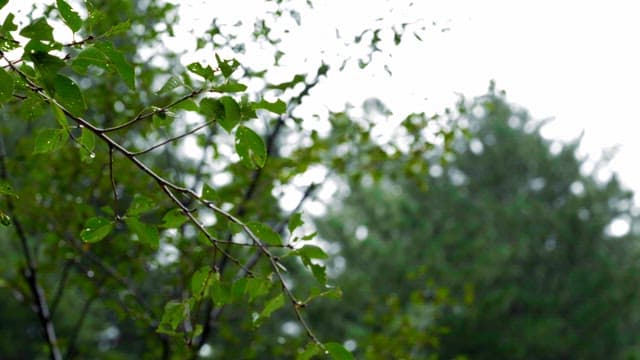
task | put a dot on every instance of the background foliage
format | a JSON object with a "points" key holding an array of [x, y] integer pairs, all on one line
{"points": [[142, 199], [508, 254]]}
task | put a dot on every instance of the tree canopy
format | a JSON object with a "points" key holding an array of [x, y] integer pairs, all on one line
{"points": [[508, 254], [141, 195]]}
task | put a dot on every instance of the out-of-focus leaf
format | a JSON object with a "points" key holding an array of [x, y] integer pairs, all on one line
{"points": [[48, 140], [6, 86], [87, 141], [257, 287], [171, 83], [38, 30], [278, 106], [173, 219], [204, 71], [295, 221], [200, 281], [69, 16], [264, 233], [69, 95], [230, 87], [140, 205], [117, 59], [147, 233], [338, 352], [174, 313], [89, 56], [311, 252], [96, 229], [250, 148], [225, 68], [309, 352], [231, 113], [6, 189], [272, 305]]}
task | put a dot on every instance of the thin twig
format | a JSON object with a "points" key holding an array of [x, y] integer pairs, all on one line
{"points": [[201, 227], [114, 188], [61, 286], [142, 115], [165, 142], [73, 338]]}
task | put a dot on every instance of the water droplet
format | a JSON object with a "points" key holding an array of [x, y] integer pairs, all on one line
{"points": [[92, 155]]}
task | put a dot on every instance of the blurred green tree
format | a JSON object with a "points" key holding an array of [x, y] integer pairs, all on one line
{"points": [[508, 255]]}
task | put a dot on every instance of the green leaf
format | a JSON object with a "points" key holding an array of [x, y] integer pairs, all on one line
{"points": [[8, 25], [188, 105], [7, 42], [311, 252], [118, 29], [38, 30], [60, 116], [250, 148], [96, 229], [224, 67], [289, 84], [174, 313], [87, 57], [264, 233], [257, 287], [6, 189], [238, 289], [69, 16], [295, 221], [173, 219], [49, 140], [87, 143], [319, 272], [5, 219], [200, 281], [140, 205], [310, 236], [231, 113], [48, 67], [309, 352], [6, 86], [278, 107], [338, 352], [117, 59], [230, 87], [3, 3], [212, 108], [197, 68], [208, 193], [171, 83], [69, 95], [271, 306], [220, 292], [147, 234]]}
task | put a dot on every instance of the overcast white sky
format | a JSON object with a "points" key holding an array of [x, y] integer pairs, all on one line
{"points": [[576, 61]]}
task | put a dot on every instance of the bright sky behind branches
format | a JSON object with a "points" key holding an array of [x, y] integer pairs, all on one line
{"points": [[574, 61]]}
